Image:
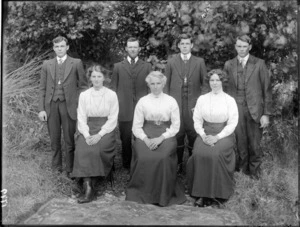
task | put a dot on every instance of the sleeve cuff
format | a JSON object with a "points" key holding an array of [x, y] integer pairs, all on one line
{"points": [[166, 135], [86, 134], [102, 132]]}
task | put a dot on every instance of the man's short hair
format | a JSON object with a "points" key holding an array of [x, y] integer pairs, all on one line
{"points": [[244, 38], [185, 36], [132, 39], [59, 39]]}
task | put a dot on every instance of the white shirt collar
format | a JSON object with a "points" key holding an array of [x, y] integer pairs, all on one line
{"points": [[188, 56], [63, 58], [244, 59], [135, 60]]}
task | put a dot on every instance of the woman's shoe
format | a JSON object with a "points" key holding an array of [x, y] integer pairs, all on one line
{"points": [[199, 202], [88, 191]]}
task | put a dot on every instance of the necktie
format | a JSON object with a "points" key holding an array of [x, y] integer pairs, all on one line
{"points": [[185, 59], [132, 61], [60, 61], [243, 62]]}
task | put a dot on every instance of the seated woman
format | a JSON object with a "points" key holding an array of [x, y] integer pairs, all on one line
{"points": [[210, 168], [154, 160], [98, 110]]}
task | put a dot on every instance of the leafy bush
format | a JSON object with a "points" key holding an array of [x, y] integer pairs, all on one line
{"points": [[98, 32]]}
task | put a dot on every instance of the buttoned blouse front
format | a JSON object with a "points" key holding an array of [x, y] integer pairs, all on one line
{"points": [[156, 108], [97, 103], [216, 108]]}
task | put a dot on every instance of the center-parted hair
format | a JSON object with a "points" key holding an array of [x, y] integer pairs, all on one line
{"points": [[96, 68], [222, 75], [156, 74]]}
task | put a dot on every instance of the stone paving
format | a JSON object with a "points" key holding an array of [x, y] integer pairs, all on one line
{"points": [[109, 209]]}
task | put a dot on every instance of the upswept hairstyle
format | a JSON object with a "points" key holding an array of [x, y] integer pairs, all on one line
{"points": [[222, 75], [156, 74], [97, 68]]}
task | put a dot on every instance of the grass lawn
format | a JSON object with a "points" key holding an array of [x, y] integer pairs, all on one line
{"points": [[27, 177]]}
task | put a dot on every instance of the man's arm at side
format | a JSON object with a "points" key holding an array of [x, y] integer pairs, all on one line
{"points": [[168, 72], [203, 73], [114, 79], [42, 93], [82, 79]]}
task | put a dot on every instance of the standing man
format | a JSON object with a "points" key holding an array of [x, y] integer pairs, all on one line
{"points": [[62, 80], [128, 81], [249, 84], [185, 82]]}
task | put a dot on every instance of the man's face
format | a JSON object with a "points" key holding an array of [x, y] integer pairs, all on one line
{"points": [[60, 48], [242, 48], [185, 46], [133, 49]]}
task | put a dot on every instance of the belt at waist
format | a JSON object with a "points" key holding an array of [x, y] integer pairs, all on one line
{"points": [[168, 123], [96, 119]]}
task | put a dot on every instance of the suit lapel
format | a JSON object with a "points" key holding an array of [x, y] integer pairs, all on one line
{"points": [[52, 68], [139, 66], [69, 64], [126, 66], [192, 65], [178, 64], [250, 67]]}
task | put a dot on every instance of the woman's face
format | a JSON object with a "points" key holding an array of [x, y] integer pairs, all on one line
{"points": [[97, 79], [215, 83], [156, 86]]}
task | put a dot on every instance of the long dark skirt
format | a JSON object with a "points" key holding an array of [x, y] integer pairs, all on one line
{"points": [[94, 160], [210, 169], [153, 177]]}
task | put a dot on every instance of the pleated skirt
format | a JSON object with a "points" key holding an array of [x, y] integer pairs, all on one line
{"points": [[210, 169], [153, 176], [94, 160]]}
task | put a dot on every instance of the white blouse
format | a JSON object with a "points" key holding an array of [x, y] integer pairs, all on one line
{"points": [[93, 103], [156, 108], [216, 108]]}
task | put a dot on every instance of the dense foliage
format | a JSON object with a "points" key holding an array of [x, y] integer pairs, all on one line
{"points": [[98, 30]]}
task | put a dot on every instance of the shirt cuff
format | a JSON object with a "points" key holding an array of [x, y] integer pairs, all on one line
{"points": [[166, 135], [102, 132], [220, 135], [86, 134]]}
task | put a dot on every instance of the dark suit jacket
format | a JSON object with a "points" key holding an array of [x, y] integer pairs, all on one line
{"points": [[73, 83], [121, 83], [196, 84], [258, 87]]}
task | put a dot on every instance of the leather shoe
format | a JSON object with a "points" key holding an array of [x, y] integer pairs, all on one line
{"points": [[69, 175], [88, 191], [199, 202]]}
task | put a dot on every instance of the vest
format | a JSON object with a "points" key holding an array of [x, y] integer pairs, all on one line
{"points": [[133, 72], [241, 77], [59, 76], [185, 68]]}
